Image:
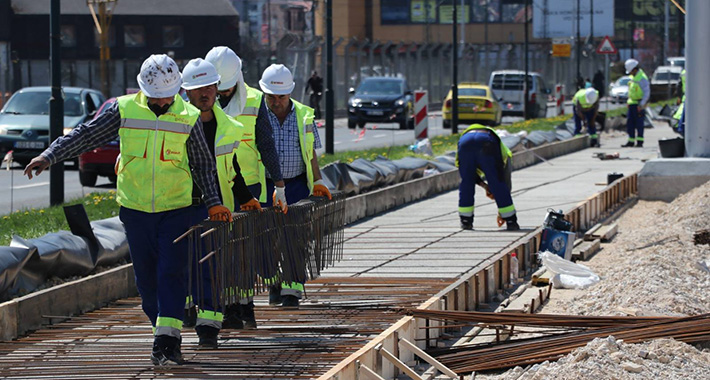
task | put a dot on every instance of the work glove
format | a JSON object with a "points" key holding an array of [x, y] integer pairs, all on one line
{"points": [[220, 213], [321, 190], [490, 195], [280, 199], [500, 221], [252, 205]]}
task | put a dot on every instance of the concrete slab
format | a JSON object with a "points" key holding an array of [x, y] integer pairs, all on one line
{"points": [[663, 179]]}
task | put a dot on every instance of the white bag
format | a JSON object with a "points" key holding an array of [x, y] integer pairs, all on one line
{"points": [[566, 274]]}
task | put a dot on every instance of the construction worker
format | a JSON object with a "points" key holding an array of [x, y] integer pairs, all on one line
{"points": [[223, 135], [481, 157], [680, 112], [163, 148], [585, 104], [297, 139], [639, 94], [256, 155]]}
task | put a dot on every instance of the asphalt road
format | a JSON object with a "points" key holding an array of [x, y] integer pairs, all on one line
{"points": [[17, 192]]}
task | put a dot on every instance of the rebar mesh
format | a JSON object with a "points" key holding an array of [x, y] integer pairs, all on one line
{"points": [[231, 261]]}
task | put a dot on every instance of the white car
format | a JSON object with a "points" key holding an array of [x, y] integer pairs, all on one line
{"points": [[619, 90]]}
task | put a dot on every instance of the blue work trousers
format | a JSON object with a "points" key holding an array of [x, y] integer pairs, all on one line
{"points": [[160, 265], [635, 123], [591, 124], [481, 150], [202, 275]]}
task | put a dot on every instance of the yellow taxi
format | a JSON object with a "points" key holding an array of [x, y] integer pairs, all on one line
{"points": [[476, 105]]}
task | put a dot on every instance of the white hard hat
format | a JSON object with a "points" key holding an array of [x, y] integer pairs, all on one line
{"points": [[159, 77], [591, 95], [277, 80], [630, 64], [228, 66], [198, 73]]}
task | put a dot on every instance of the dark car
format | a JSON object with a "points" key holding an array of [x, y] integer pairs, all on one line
{"points": [[24, 121], [383, 100], [100, 161]]}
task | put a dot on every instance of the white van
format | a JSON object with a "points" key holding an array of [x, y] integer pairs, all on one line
{"points": [[507, 85]]}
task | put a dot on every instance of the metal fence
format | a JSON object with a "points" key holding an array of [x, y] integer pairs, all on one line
{"points": [[425, 66]]}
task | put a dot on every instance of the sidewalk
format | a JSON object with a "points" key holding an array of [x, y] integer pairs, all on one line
{"points": [[423, 239]]}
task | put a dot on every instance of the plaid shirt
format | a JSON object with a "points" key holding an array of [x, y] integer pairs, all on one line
{"points": [[288, 144], [104, 129]]}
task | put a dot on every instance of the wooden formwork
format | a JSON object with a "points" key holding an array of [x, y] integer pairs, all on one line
{"points": [[471, 291]]}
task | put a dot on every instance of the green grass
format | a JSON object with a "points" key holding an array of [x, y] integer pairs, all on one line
{"points": [[622, 110], [32, 223]]}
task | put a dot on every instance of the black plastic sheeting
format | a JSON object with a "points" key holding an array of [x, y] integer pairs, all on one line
{"points": [[26, 264]]}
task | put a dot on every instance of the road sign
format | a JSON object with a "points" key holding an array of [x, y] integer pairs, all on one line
{"points": [[421, 109], [606, 47], [561, 50]]}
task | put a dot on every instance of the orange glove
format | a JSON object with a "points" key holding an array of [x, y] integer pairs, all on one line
{"points": [[220, 213], [490, 195], [500, 221], [252, 205], [321, 190], [279, 199]]}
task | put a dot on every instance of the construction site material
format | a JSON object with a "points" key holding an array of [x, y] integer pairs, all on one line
{"points": [[601, 232], [552, 346], [663, 179], [585, 250], [566, 274]]}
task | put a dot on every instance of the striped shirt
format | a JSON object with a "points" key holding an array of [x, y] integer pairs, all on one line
{"points": [[288, 144], [104, 129]]}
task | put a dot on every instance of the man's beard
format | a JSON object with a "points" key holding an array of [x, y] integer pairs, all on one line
{"points": [[158, 109]]}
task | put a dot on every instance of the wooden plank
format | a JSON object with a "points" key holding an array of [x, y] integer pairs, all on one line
{"points": [[368, 373], [591, 233], [399, 364], [543, 278], [586, 250], [529, 301], [418, 351], [607, 232]]}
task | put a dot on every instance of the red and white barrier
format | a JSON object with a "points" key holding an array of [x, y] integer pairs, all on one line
{"points": [[421, 109], [560, 99]]}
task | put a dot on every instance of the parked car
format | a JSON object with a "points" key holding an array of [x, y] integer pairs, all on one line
{"points": [[619, 90], [383, 100], [507, 85], [676, 61], [100, 161], [665, 82], [24, 121], [476, 104]]}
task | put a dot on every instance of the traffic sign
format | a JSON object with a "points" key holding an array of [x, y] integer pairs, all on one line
{"points": [[606, 47]]}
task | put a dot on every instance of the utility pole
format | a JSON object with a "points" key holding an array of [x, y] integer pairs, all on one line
{"points": [[329, 100], [56, 103], [666, 15], [104, 8], [454, 77], [579, 48], [485, 38], [526, 107]]}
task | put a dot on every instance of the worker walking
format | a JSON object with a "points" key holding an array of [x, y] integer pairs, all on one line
{"points": [[482, 157], [223, 135], [585, 105], [163, 148], [296, 138], [639, 94], [256, 156]]}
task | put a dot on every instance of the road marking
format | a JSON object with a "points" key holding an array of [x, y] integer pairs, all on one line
{"points": [[380, 135], [31, 185], [337, 142]]}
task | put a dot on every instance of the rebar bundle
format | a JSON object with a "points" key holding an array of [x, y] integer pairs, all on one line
{"points": [[231, 261], [579, 330]]}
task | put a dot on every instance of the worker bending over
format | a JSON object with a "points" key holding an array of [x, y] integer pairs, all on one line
{"points": [[482, 157], [586, 107]]}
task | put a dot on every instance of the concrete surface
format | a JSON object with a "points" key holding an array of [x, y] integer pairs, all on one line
{"points": [[663, 179]]}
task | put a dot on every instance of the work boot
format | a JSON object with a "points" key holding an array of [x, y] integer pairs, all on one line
{"points": [[190, 318], [511, 223], [629, 144], [275, 295], [639, 144], [594, 143], [466, 222], [290, 301], [208, 337], [248, 316], [166, 351], [232, 318]]}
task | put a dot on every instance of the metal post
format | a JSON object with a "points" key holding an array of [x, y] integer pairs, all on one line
{"points": [[666, 15], [56, 103], [485, 40], [579, 49], [697, 101], [526, 106], [329, 100], [606, 77], [454, 77]]}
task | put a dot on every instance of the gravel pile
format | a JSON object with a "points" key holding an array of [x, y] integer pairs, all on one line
{"points": [[613, 359], [652, 266]]}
